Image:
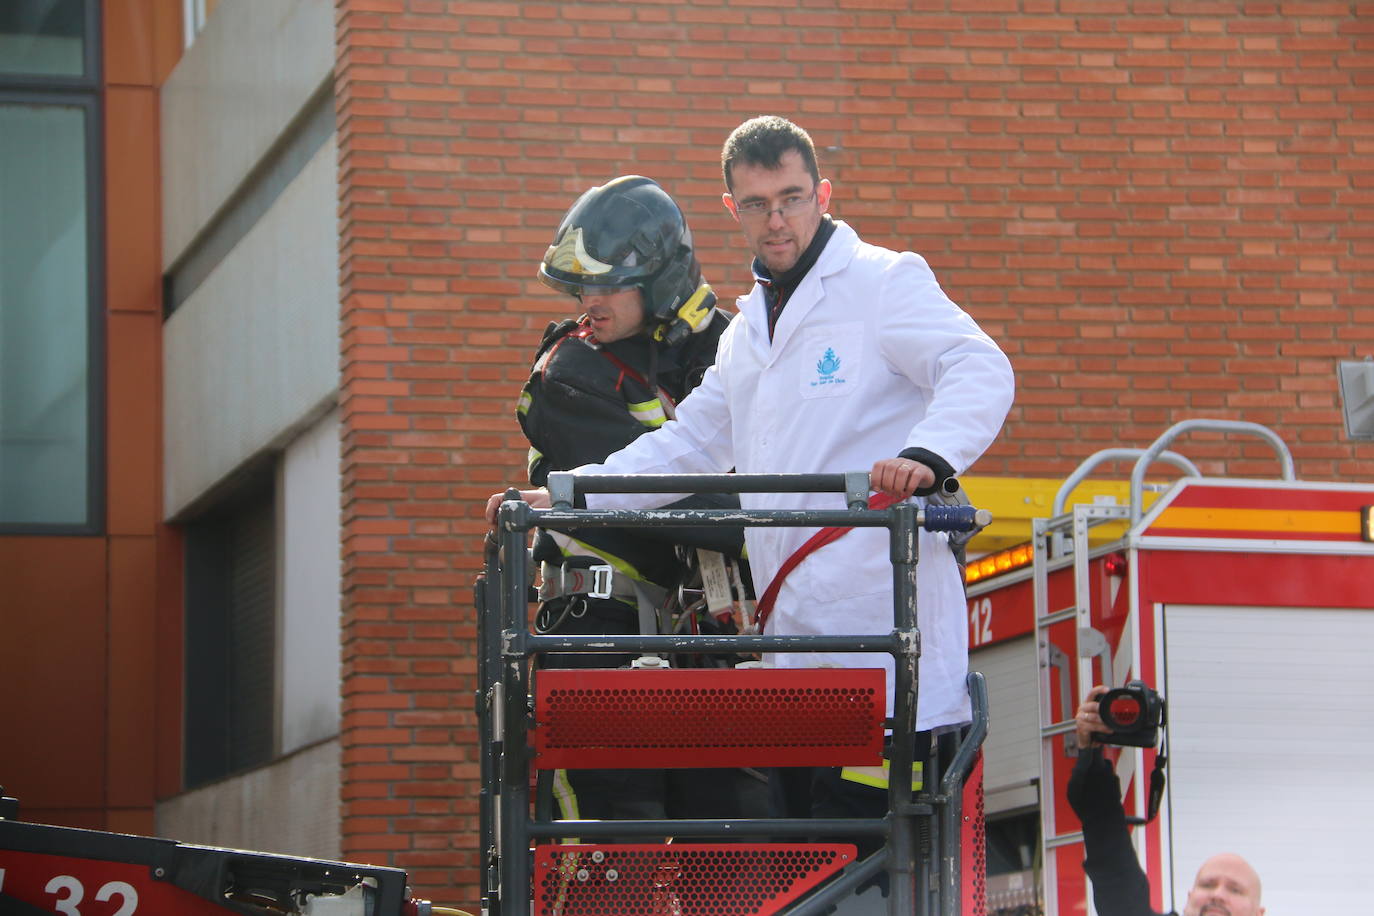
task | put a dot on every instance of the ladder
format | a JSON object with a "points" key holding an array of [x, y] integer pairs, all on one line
{"points": [[628, 718], [1066, 661]]}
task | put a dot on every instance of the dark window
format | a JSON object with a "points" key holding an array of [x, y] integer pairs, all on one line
{"points": [[45, 392], [44, 37], [1013, 842], [230, 637], [51, 271]]}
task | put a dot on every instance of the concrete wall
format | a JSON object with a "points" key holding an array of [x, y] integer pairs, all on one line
{"points": [[246, 77], [308, 662], [290, 807], [250, 362], [252, 354]]}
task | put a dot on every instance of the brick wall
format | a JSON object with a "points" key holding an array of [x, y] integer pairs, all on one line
{"points": [[1161, 210]]}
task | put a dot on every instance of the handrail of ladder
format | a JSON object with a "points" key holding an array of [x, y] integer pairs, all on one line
{"points": [[1231, 426], [1112, 454], [1089, 464]]}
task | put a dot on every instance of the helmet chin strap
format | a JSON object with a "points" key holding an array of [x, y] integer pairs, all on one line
{"points": [[691, 317], [652, 377]]}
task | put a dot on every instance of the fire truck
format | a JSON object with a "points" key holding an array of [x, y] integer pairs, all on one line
{"points": [[1248, 604]]}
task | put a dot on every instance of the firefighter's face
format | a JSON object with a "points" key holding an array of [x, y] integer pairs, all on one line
{"points": [[1226, 885], [615, 314]]}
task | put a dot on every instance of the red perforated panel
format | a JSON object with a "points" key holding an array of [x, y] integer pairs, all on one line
{"points": [[974, 843], [628, 718], [731, 879]]}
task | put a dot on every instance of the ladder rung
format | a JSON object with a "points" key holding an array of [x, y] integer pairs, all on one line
{"points": [[1063, 839], [1069, 613]]}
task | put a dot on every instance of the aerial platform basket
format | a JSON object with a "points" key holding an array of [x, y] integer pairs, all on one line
{"points": [[583, 718]]}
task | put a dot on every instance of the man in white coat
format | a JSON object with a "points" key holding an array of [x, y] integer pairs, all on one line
{"points": [[843, 356]]}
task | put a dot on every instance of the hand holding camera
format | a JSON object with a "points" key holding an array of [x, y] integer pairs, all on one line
{"points": [[1130, 715]]}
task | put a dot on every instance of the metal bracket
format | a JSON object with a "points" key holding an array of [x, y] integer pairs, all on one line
{"points": [[560, 486], [1092, 643], [1054, 657], [497, 700], [856, 489]]}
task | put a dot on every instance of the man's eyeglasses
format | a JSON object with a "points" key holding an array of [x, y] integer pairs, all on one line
{"points": [[759, 209]]}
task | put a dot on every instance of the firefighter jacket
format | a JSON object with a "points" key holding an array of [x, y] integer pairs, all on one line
{"points": [[584, 401], [869, 357]]}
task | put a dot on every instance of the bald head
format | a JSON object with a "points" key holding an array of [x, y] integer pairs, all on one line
{"points": [[1225, 885]]}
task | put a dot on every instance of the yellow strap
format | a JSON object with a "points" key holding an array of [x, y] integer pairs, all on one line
{"points": [[566, 798], [572, 547], [877, 777]]}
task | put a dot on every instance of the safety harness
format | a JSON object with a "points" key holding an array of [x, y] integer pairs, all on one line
{"points": [[814, 543], [603, 579]]}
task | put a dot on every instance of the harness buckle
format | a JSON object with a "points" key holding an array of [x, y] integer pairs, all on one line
{"points": [[602, 579]]}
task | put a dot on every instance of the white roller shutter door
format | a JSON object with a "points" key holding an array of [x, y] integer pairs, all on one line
{"points": [[1271, 738], [1012, 749]]}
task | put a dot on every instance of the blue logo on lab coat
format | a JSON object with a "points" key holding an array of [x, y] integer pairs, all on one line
{"points": [[826, 367]]}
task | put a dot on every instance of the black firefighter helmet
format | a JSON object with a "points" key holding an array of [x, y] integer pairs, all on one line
{"points": [[629, 232]]}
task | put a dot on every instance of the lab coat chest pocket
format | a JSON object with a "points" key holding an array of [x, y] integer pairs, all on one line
{"points": [[830, 360]]}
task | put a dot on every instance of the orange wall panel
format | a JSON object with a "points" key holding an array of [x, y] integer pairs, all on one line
{"points": [[84, 818], [53, 670], [128, 42], [142, 40], [133, 198], [132, 715], [87, 648], [168, 42], [134, 402], [139, 821]]}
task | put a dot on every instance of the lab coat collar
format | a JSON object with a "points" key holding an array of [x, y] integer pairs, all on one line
{"points": [[837, 254]]}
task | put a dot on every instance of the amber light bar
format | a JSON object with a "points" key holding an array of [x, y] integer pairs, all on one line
{"points": [[996, 563]]}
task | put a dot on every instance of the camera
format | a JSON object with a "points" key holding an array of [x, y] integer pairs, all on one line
{"points": [[1134, 714]]}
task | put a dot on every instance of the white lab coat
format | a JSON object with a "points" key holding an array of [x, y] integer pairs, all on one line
{"points": [[869, 357]]}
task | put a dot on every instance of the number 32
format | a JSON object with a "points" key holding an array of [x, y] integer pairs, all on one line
{"points": [[74, 892]]}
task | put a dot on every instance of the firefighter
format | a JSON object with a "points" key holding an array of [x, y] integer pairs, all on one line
{"points": [[1225, 885], [646, 334]]}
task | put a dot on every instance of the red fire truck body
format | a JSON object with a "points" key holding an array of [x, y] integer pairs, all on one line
{"points": [[1249, 605]]}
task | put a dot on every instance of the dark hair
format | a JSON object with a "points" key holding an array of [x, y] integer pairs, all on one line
{"points": [[762, 141]]}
